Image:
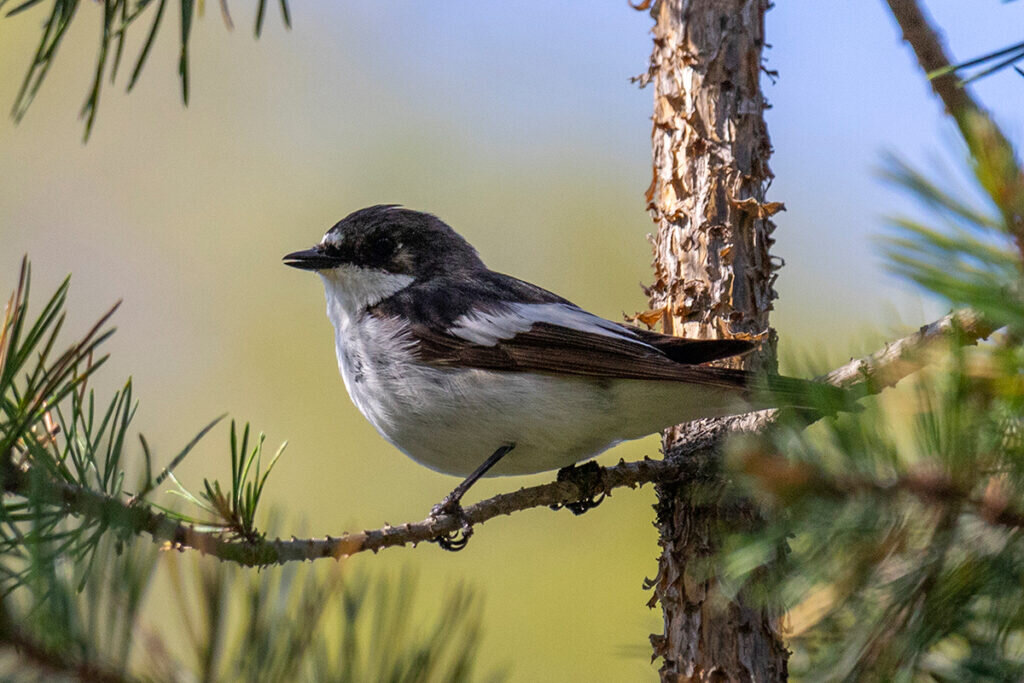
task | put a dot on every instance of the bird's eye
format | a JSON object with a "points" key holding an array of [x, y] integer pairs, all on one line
{"points": [[379, 249]]}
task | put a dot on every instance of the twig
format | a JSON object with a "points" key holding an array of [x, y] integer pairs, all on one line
{"points": [[900, 358], [931, 55], [162, 529], [977, 127]]}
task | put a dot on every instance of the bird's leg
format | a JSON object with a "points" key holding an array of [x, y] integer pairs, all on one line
{"points": [[452, 505], [589, 478]]}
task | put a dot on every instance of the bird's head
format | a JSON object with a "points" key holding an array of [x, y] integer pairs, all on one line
{"points": [[390, 239], [379, 250]]}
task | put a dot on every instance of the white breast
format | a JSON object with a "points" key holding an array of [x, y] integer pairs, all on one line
{"points": [[451, 419]]}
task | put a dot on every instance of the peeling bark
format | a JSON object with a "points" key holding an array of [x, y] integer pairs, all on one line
{"points": [[713, 279]]}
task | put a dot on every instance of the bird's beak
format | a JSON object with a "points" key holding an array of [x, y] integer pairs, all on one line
{"points": [[311, 259]]}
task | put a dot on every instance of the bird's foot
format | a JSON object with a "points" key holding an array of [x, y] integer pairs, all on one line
{"points": [[452, 541], [589, 478]]}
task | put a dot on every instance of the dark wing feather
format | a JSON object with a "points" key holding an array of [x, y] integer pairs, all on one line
{"points": [[693, 351], [561, 350], [558, 350]]}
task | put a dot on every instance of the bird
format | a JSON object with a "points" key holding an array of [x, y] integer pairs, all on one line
{"points": [[475, 373]]}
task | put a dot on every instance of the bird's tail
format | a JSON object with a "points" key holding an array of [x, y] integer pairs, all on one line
{"points": [[819, 398], [778, 391]]}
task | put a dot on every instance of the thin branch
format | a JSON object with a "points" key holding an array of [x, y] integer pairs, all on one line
{"points": [[163, 529], [874, 372], [984, 138], [900, 358], [135, 517], [931, 55]]}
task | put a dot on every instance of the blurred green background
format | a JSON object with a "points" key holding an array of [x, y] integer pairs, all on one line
{"points": [[517, 125]]}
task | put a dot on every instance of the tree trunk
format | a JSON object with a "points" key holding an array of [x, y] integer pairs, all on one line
{"points": [[713, 279]]}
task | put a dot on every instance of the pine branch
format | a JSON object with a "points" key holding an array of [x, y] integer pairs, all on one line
{"points": [[990, 149], [139, 518], [899, 358], [134, 518], [118, 18], [931, 55], [789, 480], [872, 373]]}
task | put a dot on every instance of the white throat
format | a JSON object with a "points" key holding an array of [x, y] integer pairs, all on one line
{"points": [[350, 290]]}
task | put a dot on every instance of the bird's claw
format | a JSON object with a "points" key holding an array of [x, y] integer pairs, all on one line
{"points": [[581, 506], [589, 478], [452, 541]]}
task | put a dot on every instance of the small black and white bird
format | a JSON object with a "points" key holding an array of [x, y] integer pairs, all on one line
{"points": [[472, 372]]}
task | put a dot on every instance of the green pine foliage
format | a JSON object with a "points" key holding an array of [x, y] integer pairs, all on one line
{"points": [[903, 522], [986, 65], [119, 19], [292, 623], [76, 562]]}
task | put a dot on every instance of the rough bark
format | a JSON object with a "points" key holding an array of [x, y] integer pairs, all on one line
{"points": [[713, 279]]}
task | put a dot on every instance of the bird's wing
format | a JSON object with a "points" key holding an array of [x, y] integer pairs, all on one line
{"points": [[560, 338], [523, 328]]}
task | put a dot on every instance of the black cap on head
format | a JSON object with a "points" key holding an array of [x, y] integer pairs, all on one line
{"points": [[390, 238]]}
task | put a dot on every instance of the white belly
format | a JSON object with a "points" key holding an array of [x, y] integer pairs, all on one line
{"points": [[450, 419]]}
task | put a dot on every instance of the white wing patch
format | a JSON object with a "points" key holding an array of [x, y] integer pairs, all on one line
{"points": [[488, 328]]}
